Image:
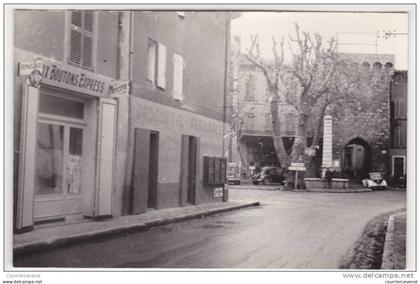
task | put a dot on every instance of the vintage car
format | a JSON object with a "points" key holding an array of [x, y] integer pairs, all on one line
{"points": [[269, 175], [233, 174], [375, 181]]}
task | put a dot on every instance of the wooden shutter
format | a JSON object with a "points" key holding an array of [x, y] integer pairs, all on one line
{"points": [[76, 18], [27, 170], [106, 153], [183, 179], [75, 47], [151, 62], [178, 77], [82, 38], [88, 21], [161, 75], [140, 171], [87, 51]]}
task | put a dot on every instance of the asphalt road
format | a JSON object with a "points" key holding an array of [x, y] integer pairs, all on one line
{"points": [[297, 230]]}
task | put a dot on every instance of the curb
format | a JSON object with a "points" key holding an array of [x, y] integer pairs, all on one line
{"points": [[388, 254], [103, 233], [339, 190]]}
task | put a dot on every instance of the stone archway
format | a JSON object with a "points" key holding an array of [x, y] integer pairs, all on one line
{"points": [[357, 158]]}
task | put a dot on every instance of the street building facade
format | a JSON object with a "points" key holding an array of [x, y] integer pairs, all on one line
{"points": [[116, 112], [398, 150]]}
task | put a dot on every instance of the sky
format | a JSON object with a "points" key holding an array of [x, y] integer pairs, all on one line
{"points": [[358, 29]]}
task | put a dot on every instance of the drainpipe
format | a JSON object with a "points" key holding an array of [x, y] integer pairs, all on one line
{"points": [[125, 73]]}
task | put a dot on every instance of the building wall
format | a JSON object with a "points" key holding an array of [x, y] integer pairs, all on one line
{"points": [[200, 37], [368, 117]]}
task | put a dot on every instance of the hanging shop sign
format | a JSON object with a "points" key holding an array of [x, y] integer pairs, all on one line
{"points": [[26, 68], [119, 89]]}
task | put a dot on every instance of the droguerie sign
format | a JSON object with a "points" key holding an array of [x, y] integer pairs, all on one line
{"points": [[65, 77]]}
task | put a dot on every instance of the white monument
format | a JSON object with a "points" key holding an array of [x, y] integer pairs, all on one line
{"points": [[327, 157]]}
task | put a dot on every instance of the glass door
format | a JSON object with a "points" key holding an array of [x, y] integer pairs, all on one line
{"points": [[59, 166]]}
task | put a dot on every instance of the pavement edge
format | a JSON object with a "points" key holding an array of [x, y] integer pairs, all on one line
{"points": [[42, 245], [388, 254]]}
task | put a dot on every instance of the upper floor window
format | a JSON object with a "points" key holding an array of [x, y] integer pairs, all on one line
{"points": [[249, 121], [400, 135], [250, 89], [82, 39], [400, 108], [156, 63]]}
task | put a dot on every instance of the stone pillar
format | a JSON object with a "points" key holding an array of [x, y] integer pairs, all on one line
{"points": [[327, 157]]}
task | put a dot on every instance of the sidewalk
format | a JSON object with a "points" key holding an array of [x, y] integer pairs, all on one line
{"points": [[43, 238], [395, 243]]}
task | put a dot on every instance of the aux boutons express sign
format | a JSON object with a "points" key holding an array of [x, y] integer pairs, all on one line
{"points": [[77, 80]]}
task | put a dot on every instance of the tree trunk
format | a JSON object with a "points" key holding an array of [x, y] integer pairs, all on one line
{"points": [[276, 133], [313, 168], [244, 164], [298, 152]]}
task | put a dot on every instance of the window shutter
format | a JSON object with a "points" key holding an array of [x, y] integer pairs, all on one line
{"points": [[82, 28], [178, 77], [87, 51], [75, 47], [76, 18], [151, 61], [161, 76], [88, 21]]}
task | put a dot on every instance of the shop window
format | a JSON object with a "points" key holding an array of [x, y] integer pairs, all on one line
{"points": [[178, 77], [59, 106], [49, 159], [156, 65], [82, 39]]}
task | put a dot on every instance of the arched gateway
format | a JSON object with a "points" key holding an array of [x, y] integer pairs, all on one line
{"points": [[357, 156]]}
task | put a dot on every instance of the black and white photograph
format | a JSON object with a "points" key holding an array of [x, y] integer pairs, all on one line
{"points": [[209, 138]]}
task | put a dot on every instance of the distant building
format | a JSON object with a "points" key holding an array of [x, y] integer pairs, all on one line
{"points": [[360, 131], [120, 116], [398, 149]]}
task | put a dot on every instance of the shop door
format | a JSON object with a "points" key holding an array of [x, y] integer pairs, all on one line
{"points": [[399, 164], [188, 170], [59, 168], [192, 169]]}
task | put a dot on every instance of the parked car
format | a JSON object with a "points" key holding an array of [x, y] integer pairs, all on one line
{"points": [[233, 174], [375, 181], [269, 175]]}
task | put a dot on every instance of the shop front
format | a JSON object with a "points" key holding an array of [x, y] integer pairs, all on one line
{"points": [[67, 145]]}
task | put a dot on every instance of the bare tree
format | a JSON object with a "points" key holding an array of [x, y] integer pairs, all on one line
{"points": [[316, 79]]}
